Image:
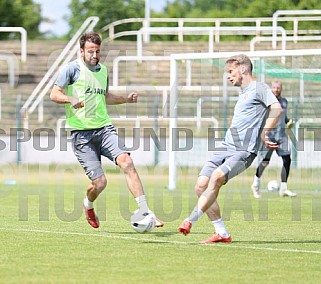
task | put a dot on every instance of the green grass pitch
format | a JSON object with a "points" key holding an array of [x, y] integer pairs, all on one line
{"points": [[44, 237]]}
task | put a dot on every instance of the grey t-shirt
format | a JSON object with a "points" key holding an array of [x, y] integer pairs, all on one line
{"points": [[250, 113], [69, 74], [278, 133]]}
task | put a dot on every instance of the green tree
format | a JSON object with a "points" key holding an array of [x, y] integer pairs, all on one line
{"points": [[236, 9], [108, 11], [20, 13], [113, 10]]}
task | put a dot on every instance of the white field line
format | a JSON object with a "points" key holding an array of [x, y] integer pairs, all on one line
{"points": [[163, 241]]}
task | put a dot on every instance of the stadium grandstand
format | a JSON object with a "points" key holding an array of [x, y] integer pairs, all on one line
{"points": [[205, 100]]}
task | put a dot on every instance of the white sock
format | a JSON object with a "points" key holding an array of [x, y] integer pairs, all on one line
{"points": [[142, 203], [283, 186], [256, 181], [220, 228], [88, 204]]}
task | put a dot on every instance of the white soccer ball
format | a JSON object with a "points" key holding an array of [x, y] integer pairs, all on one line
{"points": [[273, 185], [143, 222]]}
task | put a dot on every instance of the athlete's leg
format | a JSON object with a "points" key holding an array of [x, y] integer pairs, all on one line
{"points": [[264, 163], [286, 168]]}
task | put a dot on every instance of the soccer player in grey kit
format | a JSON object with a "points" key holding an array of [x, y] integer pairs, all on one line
{"points": [[279, 136], [256, 113]]}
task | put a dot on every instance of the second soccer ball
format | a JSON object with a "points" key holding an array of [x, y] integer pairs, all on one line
{"points": [[273, 185]]}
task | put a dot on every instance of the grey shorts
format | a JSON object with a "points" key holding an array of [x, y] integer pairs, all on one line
{"points": [[283, 150], [231, 162], [90, 145]]}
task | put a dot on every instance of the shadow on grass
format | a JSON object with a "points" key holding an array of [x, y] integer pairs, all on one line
{"points": [[279, 242], [162, 234]]}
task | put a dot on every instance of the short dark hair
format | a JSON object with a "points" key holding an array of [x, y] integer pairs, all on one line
{"points": [[90, 37]]}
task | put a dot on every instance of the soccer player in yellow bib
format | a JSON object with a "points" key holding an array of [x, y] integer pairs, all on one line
{"points": [[82, 86]]}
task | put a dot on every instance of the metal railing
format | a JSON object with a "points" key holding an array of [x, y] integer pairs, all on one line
{"points": [[287, 38], [210, 31], [13, 67], [23, 33], [217, 22], [276, 19], [13, 70]]}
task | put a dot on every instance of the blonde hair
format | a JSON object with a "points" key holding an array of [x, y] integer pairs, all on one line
{"points": [[241, 59]]}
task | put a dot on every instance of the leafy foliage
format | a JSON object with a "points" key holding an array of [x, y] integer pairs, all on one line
{"points": [[20, 13], [107, 10], [238, 9], [27, 13]]}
